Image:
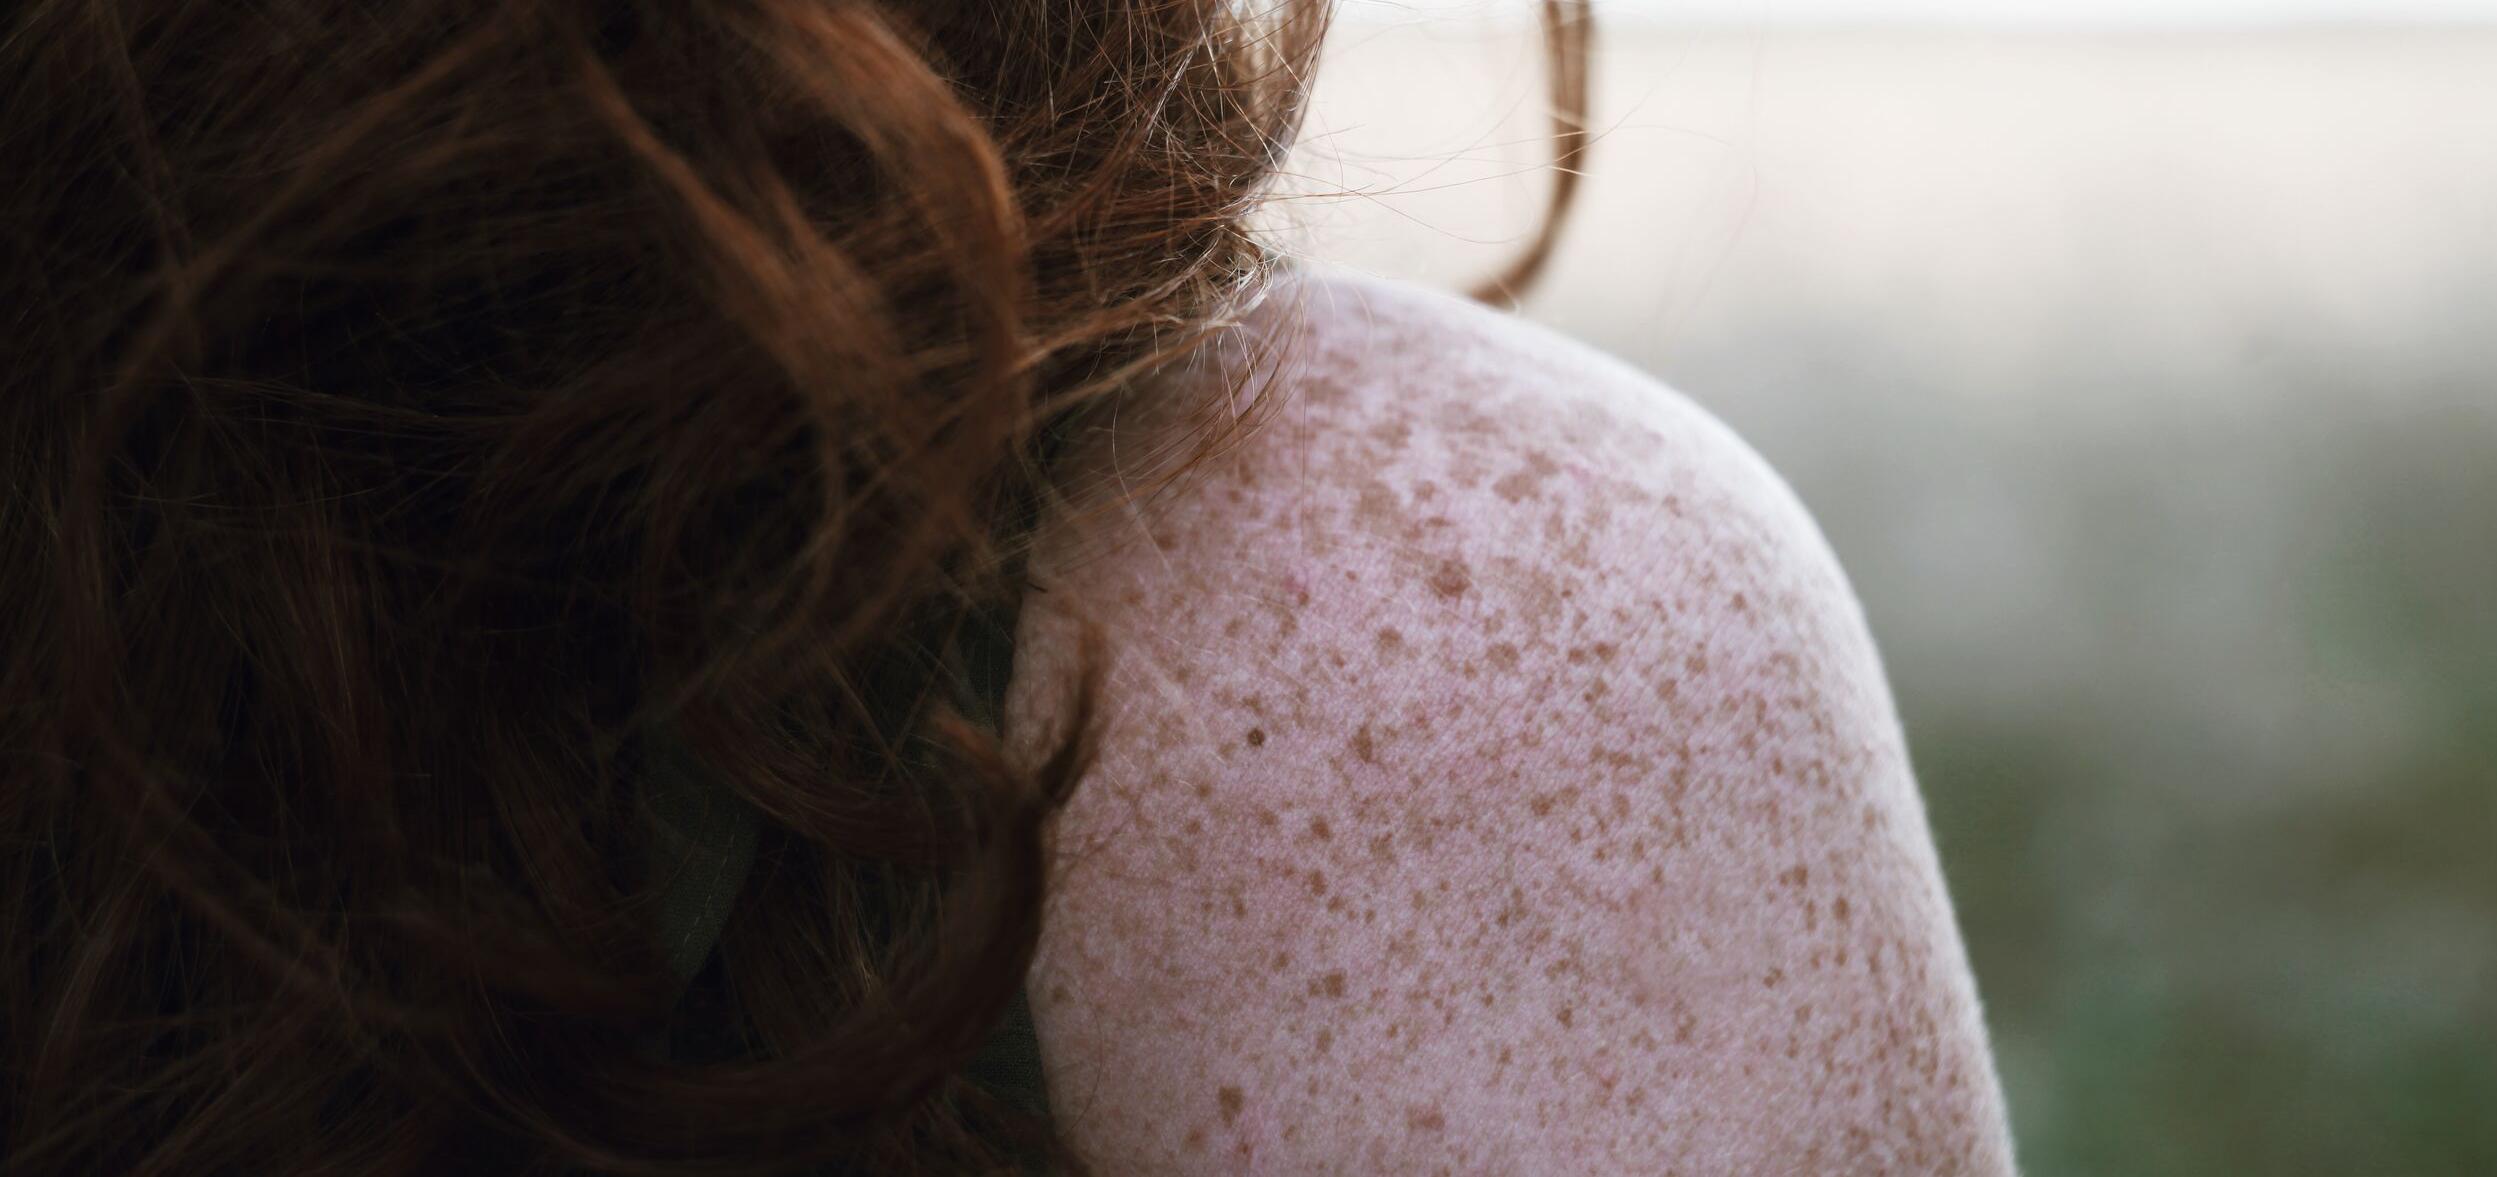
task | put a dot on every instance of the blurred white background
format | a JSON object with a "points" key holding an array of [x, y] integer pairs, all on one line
{"points": [[2140, 361], [2028, 14]]}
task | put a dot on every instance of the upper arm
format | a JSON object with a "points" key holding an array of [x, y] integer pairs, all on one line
{"points": [[1498, 776]]}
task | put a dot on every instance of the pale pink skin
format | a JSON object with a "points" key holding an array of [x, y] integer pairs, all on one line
{"points": [[1501, 779]]}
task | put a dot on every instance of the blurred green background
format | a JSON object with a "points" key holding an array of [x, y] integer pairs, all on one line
{"points": [[2146, 384]]}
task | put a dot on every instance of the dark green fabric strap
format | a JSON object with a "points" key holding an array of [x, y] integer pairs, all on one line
{"points": [[1008, 1063], [705, 846]]}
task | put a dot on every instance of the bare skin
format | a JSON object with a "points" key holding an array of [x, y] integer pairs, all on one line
{"points": [[1500, 777]]}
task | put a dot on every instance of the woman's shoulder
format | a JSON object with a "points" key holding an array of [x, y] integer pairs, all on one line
{"points": [[1419, 470], [1496, 773]]}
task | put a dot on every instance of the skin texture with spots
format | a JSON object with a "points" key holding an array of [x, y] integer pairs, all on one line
{"points": [[1499, 777]]}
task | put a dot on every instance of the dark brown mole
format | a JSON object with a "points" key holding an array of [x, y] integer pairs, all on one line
{"points": [[1229, 1099], [1451, 579], [1363, 747], [1256, 737]]}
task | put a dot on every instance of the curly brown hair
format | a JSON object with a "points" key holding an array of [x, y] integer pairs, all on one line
{"points": [[425, 420]]}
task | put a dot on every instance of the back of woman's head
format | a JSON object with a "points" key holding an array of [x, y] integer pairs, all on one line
{"points": [[423, 419], [412, 409]]}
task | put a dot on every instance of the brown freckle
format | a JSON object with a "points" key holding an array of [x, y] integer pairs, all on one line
{"points": [[1685, 1028], [1239, 906], [1195, 827], [1256, 737], [1317, 883], [1319, 829], [1390, 640], [1131, 597], [1204, 789], [1196, 1139], [1332, 984], [1603, 651], [1566, 1015], [1796, 876], [1266, 817], [1326, 1038], [1380, 847], [1697, 663], [1283, 960], [1840, 908], [1363, 747], [1229, 1099], [1503, 656], [1425, 1119], [1771, 981], [1232, 628], [1451, 579], [1541, 803], [1741, 605]]}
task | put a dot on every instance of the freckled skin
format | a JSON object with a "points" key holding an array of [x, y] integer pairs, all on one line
{"points": [[1576, 832]]}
